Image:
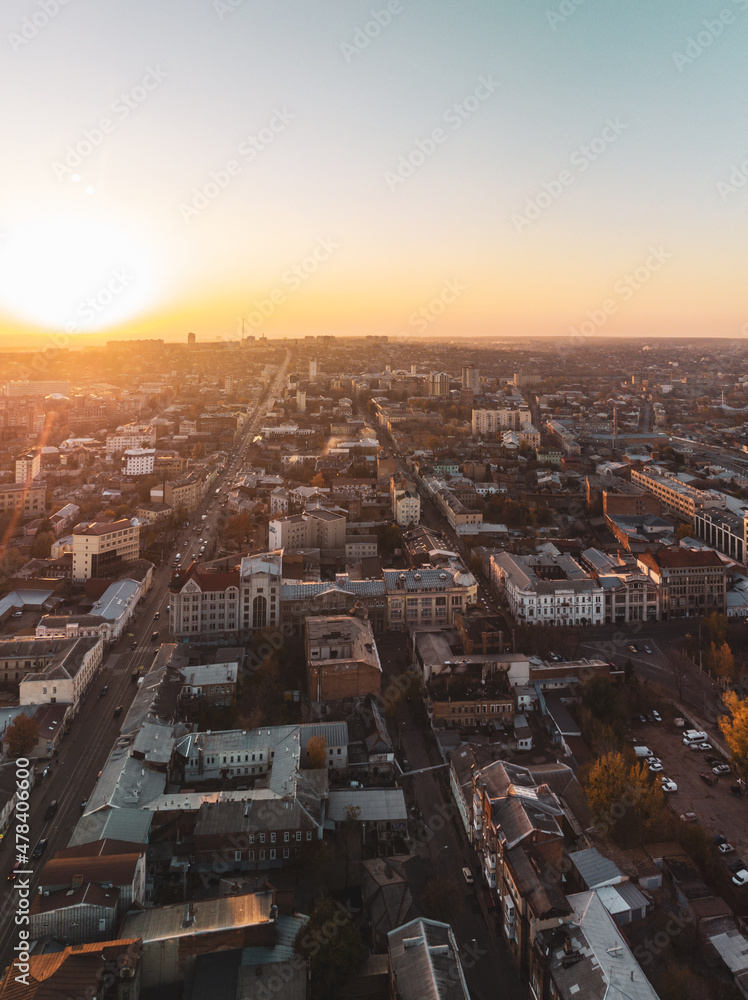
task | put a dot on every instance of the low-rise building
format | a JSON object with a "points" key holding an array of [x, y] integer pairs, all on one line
{"points": [[66, 677], [342, 658], [547, 589], [691, 583], [29, 498]]}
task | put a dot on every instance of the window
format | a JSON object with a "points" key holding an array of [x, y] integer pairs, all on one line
{"points": [[309, 835], [286, 852], [272, 854], [262, 838], [298, 835], [272, 838], [285, 837]]}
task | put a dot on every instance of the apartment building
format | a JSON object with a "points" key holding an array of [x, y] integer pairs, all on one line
{"points": [[547, 589], [139, 461], [427, 596], [131, 436], [505, 419], [28, 498], [28, 466], [691, 583], [183, 493], [437, 384], [471, 378], [406, 508], [97, 547], [317, 528], [47, 387], [675, 496]]}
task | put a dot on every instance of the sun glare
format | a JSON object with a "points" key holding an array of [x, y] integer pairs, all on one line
{"points": [[73, 274]]}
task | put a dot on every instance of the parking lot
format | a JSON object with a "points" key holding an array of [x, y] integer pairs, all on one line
{"points": [[717, 809]]}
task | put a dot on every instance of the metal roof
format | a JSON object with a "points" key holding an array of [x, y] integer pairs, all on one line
{"points": [[595, 868], [374, 804]]}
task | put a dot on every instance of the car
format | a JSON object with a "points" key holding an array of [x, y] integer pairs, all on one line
{"points": [[15, 870], [688, 817], [157, 616], [84, 803], [721, 769], [406, 765], [656, 715], [647, 648], [740, 877], [725, 848], [117, 711], [40, 848], [708, 779], [719, 839], [642, 718], [655, 767], [133, 645], [736, 864], [51, 809], [712, 760], [18, 614], [104, 691], [468, 875], [633, 648], [168, 608], [154, 636], [653, 760], [668, 785]]}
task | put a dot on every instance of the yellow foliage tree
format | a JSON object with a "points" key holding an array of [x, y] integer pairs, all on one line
{"points": [[735, 729], [316, 749]]}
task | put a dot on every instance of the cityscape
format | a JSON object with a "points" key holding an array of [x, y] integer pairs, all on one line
{"points": [[373, 500], [370, 668]]}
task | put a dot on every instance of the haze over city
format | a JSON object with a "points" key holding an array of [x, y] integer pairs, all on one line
{"points": [[398, 168]]}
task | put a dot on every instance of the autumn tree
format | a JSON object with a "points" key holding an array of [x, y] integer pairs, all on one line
{"points": [[721, 662], [316, 750], [42, 544], [683, 531], [21, 736], [318, 480], [734, 728], [716, 626]]}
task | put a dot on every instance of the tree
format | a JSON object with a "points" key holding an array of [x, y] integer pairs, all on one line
{"points": [[21, 736], [716, 625], [316, 750], [683, 531], [721, 662], [734, 728], [198, 450], [333, 946], [318, 480], [679, 670], [42, 544]]}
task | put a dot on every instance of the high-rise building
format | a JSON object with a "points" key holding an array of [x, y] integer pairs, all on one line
{"points": [[312, 370], [471, 378], [191, 339], [28, 466], [438, 384], [301, 400]]}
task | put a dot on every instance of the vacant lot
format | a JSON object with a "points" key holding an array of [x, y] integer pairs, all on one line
{"points": [[718, 810]]}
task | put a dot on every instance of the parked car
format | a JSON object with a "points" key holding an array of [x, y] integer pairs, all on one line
{"points": [[668, 785], [655, 767], [708, 779], [712, 760], [633, 648], [84, 803], [656, 715], [720, 839], [468, 876], [40, 848], [689, 817], [721, 769], [740, 877], [51, 809], [725, 848], [736, 864], [647, 648], [117, 711]]}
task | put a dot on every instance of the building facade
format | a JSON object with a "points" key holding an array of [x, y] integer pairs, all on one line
{"points": [[99, 546]]}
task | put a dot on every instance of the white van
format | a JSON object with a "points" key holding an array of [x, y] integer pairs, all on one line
{"points": [[694, 736]]}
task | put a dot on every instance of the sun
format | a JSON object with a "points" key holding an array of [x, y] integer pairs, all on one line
{"points": [[72, 273]]}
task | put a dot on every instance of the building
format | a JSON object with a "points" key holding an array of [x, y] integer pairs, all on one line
{"points": [[563, 437], [630, 595], [28, 466], [312, 370], [524, 380], [139, 461], [406, 507], [691, 583], [99, 546], [487, 422], [469, 699], [630, 503], [20, 657], [210, 684], [471, 378], [341, 658], [675, 496], [424, 961], [183, 493], [81, 970], [723, 530], [437, 384], [226, 607], [316, 529], [427, 596], [46, 387], [67, 676], [547, 589], [131, 436], [28, 498]]}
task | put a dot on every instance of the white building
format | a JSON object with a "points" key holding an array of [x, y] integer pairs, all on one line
{"points": [[131, 436], [493, 421], [67, 675], [406, 507], [536, 596], [98, 545], [139, 461], [28, 466], [316, 529]]}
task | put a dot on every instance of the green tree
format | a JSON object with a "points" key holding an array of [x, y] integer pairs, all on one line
{"points": [[21, 736], [334, 948]]}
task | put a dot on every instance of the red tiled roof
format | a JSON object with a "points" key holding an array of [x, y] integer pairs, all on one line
{"points": [[679, 558], [75, 972], [119, 869]]}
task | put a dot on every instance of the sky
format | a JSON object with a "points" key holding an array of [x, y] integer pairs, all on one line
{"points": [[409, 168]]}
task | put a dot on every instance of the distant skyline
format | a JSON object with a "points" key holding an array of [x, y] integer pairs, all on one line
{"points": [[399, 167]]}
